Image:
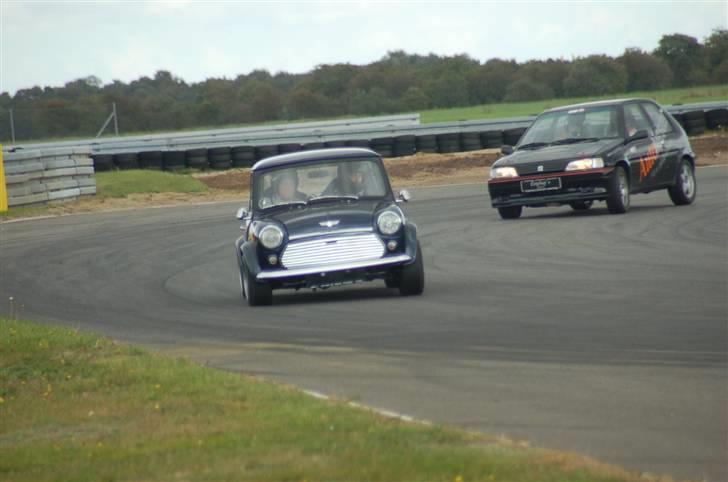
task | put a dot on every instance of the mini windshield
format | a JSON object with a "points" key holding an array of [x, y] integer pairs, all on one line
{"points": [[570, 126], [323, 181]]}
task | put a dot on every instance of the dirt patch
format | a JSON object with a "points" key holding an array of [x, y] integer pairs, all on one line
{"points": [[711, 149]]}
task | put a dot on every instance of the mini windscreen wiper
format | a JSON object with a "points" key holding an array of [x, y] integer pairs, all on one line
{"points": [[332, 198], [574, 140], [284, 205], [532, 145]]}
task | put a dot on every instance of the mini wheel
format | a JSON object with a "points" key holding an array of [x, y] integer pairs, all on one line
{"points": [[257, 294], [412, 278]]}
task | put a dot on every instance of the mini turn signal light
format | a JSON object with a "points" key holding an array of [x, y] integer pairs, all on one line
{"points": [[392, 245], [272, 259]]}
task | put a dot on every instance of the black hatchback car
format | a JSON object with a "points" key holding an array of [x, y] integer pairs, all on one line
{"points": [[324, 218], [597, 151]]}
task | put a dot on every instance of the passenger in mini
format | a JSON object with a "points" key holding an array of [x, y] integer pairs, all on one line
{"points": [[284, 188], [353, 184]]}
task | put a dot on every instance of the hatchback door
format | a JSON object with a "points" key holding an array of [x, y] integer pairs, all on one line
{"points": [[643, 154]]}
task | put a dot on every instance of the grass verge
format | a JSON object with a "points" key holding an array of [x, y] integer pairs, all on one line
{"points": [[517, 109], [120, 184], [78, 407]]}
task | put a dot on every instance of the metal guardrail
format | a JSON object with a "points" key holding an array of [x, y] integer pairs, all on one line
{"points": [[344, 129]]}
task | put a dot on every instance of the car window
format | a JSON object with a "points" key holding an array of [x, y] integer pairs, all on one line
{"points": [[659, 120], [360, 178], [593, 122], [635, 120]]}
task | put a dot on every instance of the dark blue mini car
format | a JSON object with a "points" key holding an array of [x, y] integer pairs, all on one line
{"points": [[324, 218]]}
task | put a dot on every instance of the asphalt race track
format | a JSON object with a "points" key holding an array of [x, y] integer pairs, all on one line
{"points": [[601, 334]]}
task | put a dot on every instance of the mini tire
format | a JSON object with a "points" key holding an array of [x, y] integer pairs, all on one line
{"points": [[618, 197], [685, 188], [257, 294], [510, 212], [412, 277]]}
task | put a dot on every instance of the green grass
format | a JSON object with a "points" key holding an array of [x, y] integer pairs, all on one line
{"points": [[503, 110], [77, 407], [119, 184]]}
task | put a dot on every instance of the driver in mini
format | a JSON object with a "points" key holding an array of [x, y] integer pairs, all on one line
{"points": [[353, 184], [284, 188]]}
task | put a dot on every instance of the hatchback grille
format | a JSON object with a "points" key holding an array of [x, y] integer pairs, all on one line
{"points": [[332, 250]]}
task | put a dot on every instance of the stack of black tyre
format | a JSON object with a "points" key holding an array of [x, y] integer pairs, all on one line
{"points": [[337, 143], [261, 152], [288, 148], [103, 162], [243, 156], [448, 142], [694, 122], [404, 146], [219, 158], [511, 136], [491, 139], [310, 146], [151, 160], [384, 146], [197, 158], [716, 118], [174, 160], [126, 160], [426, 143], [470, 141], [363, 143]]}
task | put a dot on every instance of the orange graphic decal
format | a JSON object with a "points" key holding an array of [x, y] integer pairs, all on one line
{"points": [[648, 162]]}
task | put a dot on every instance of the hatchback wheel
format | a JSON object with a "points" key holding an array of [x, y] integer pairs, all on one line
{"points": [[685, 188], [618, 200], [510, 212]]}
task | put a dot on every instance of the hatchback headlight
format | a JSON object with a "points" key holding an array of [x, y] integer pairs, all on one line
{"points": [[271, 236], [498, 172], [581, 164], [389, 222]]}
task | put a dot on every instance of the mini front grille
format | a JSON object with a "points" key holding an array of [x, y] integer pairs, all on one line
{"points": [[332, 250]]}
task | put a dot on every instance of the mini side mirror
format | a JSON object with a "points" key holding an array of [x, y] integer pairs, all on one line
{"points": [[404, 195], [242, 214], [506, 149]]}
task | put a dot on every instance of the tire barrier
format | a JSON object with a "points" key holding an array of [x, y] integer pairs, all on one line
{"points": [[470, 141], [511, 136], [288, 148], [383, 146], [51, 175], [243, 156], [716, 118], [103, 162], [404, 146], [426, 143], [447, 143], [695, 122], [364, 143], [151, 160], [126, 160], [219, 158], [196, 158], [491, 139], [261, 152], [173, 160]]}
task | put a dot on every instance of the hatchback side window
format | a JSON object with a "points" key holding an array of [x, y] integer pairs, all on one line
{"points": [[635, 120], [659, 120]]}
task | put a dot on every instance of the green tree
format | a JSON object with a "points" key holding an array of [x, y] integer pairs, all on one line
{"points": [[716, 49], [686, 58], [488, 83], [645, 71], [595, 75], [526, 88]]}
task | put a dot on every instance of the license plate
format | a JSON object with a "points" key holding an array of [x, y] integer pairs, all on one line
{"points": [[535, 185]]}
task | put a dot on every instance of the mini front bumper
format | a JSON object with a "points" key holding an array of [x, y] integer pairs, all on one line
{"points": [[330, 269], [589, 185]]}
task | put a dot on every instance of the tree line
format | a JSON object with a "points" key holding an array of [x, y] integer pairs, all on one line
{"points": [[399, 82]]}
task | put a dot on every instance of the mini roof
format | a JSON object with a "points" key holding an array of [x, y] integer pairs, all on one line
{"points": [[313, 155]]}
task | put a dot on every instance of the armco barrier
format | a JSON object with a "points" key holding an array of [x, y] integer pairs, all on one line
{"points": [[49, 175]]}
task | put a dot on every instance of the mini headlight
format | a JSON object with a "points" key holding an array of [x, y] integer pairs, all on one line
{"points": [[389, 222], [581, 164], [271, 236], [497, 172]]}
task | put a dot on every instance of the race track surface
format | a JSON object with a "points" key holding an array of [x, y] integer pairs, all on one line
{"points": [[589, 332]]}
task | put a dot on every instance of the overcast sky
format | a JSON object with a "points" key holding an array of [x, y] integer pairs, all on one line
{"points": [[51, 43]]}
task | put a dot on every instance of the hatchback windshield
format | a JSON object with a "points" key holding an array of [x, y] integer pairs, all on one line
{"points": [[320, 182], [575, 125]]}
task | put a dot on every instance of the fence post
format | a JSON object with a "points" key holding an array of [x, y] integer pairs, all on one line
{"points": [[116, 120], [12, 126]]}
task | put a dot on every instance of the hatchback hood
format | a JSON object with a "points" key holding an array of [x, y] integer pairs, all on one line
{"points": [[555, 158], [327, 217]]}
